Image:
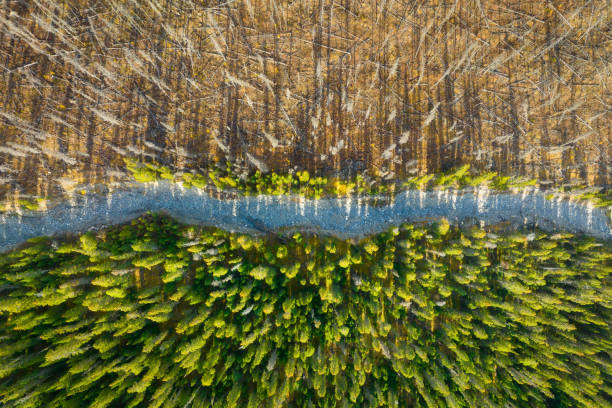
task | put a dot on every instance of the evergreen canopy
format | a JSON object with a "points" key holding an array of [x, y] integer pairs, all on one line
{"points": [[158, 314]]}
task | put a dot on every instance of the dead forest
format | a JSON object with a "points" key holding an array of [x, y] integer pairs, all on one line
{"points": [[395, 87]]}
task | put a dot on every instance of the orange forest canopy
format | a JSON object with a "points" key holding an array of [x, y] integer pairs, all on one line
{"points": [[399, 88]]}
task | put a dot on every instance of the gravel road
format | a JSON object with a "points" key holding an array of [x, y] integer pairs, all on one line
{"points": [[342, 217]]}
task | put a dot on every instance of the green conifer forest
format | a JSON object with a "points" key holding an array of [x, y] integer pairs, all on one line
{"points": [[159, 314]]}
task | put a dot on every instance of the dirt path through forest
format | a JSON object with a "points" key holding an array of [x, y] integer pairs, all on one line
{"points": [[350, 217]]}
